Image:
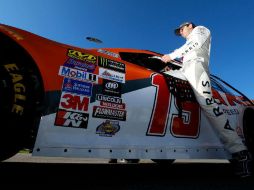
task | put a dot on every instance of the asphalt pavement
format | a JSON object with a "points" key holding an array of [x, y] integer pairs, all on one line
{"points": [[80, 173]]}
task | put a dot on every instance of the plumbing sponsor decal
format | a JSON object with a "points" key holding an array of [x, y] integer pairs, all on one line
{"points": [[109, 113]]}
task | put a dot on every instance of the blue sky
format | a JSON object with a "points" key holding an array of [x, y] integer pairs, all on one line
{"points": [[146, 24]]}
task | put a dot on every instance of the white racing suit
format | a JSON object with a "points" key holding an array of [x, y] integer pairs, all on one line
{"points": [[195, 69]]}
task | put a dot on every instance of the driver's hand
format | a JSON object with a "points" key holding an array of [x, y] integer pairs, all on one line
{"points": [[166, 58], [167, 68]]}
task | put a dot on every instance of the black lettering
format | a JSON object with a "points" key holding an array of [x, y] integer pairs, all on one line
{"points": [[206, 92], [217, 111], [227, 126], [204, 84], [209, 101]]}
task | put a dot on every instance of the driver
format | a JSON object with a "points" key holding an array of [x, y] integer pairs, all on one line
{"points": [[196, 53]]}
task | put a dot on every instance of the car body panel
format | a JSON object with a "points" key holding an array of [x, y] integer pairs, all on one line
{"points": [[99, 105]]}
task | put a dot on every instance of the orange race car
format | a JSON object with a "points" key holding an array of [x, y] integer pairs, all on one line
{"points": [[61, 100]]}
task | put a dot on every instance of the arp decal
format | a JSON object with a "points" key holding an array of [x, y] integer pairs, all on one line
{"points": [[73, 102], [108, 128], [77, 87], [109, 113], [112, 54], [111, 88], [19, 88], [82, 56], [112, 75], [81, 65], [66, 118], [110, 64], [77, 74]]}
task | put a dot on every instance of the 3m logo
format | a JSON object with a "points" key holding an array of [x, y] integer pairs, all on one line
{"points": [[74, 102], [71, 119]]}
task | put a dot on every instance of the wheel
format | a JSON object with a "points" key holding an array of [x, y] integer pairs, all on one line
{"points": [[132, 161], [163, 161], [248, 129], [17, 100]]}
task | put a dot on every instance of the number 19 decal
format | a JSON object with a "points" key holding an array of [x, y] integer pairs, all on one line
{"points": [[187, 126]]}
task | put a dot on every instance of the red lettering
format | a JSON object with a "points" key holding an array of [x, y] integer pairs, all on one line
{"points": [[159, 117], [74, 102], [217, 97], [232, 100], [187, 126]]}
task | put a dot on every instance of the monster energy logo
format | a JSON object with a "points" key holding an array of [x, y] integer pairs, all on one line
{"points": [[110, 64]]}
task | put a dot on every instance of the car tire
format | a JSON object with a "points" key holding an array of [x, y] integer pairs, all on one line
{"points": [[248, 129], [163, 161], [17, 108]]}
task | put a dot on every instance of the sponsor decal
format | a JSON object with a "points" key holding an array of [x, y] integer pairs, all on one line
{"points": [[112, 54], [108, 113], [112, 105], [110, 64], [210, 100], [231, 111], [239, 132], [77, 74], [76, 86], [112, 75], [82, 56], [81, 65], [106, 98], [111, 88], [108, 128], [71, 119], [73, 102], [18, 87]]}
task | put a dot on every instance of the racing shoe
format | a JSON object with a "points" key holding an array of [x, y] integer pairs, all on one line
{"points": [[112, 161], [243, 163]]}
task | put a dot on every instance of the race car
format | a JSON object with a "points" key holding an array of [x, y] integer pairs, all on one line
{"points": [[61, 100]]}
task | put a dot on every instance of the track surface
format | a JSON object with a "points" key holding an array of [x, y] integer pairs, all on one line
{"points": [[98, 174]]}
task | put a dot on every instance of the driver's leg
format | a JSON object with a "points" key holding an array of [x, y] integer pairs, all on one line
{"points": [[200, 82]]}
